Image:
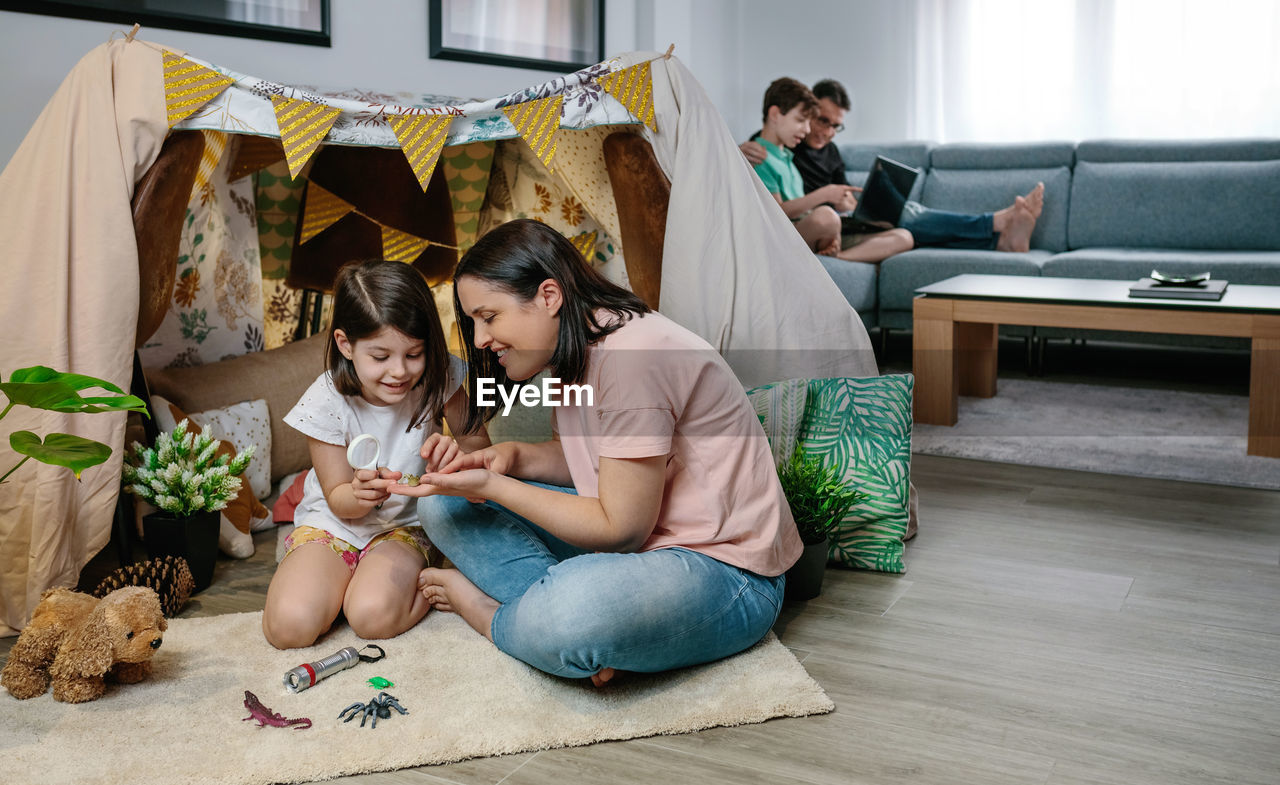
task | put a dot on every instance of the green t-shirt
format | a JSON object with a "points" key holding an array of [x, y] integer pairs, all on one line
{"points": [[779, 172]]}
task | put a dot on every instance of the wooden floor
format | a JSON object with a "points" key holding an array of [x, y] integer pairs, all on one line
{"points": [[1052, 627]]}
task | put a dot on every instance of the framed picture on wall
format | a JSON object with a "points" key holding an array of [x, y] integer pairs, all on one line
{"points": [[549, 35], [291, 21]]}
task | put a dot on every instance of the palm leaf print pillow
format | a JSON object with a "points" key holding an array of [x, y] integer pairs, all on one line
{"points": [[864, 427]]}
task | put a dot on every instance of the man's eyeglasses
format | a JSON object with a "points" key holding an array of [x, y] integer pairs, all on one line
{"points": [[823, 122]]}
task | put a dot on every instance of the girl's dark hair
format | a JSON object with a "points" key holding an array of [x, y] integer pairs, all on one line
{"points": [[373, 294], [517, 257]]}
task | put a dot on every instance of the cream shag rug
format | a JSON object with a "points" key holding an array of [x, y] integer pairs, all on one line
{"points": [[465, 699]]}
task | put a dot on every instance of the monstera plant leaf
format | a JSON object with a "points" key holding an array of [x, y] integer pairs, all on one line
{"points": [[39, 387], [61, 449]]}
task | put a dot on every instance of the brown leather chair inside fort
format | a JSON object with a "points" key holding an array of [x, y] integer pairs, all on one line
{"points": [[642, 193]]}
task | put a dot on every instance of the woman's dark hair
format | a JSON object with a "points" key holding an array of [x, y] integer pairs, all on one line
{"points": [[517, 257], [373, 294]]}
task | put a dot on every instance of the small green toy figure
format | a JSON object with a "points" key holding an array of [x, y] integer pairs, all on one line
{"points": [[379, 683], [409, 479]]}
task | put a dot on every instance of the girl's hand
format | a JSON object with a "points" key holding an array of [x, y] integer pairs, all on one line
{"points": [[438, 451], [371, 488]]}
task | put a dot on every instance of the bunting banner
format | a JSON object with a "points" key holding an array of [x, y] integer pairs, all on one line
{"points": [[215, 144], [401, 246], [586, 244], [323, 209], [303, 126], [538, 122], [633, 87], [189, 86], [421, 138], [254, 154]]}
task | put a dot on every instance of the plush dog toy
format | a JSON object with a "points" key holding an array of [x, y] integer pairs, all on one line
{"points": [[75, 641]]}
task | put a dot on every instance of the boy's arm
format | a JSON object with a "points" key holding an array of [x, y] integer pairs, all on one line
{"points": [[833, 194]]}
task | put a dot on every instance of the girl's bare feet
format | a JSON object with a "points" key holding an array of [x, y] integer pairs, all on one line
{"points": [[603, 676], [451, 591]]}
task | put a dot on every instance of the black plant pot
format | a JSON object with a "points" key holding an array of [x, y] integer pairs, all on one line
{"points": [[193, 537], [804, 579]]}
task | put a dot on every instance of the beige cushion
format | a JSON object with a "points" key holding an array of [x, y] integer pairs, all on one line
{"points": [[279, 376]]}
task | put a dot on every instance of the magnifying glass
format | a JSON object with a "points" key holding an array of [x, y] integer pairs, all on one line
{"points": [[363, 453]]}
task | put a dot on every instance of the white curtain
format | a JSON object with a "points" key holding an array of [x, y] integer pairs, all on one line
{"points": [[1013, 70]]}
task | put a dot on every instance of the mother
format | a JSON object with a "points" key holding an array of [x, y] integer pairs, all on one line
{"points": [[671, 551]]}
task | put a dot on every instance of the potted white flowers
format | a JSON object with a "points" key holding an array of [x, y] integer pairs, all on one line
{"points": [[188, 483]]}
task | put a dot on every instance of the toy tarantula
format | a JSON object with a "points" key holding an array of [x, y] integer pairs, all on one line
{"points": [[380, 706]]}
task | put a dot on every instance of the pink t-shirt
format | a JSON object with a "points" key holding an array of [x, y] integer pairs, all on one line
{"points": [[661, 390]]}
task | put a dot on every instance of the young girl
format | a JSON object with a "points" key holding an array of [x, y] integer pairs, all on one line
{"points": [[355, 548]]}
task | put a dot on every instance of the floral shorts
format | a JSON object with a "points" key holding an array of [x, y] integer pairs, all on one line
{"points": [[413, 536]]}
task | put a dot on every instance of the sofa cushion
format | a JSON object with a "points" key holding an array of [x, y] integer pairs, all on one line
{"points": [[987, 190], [858, 157], [902, 274], [1228, 205], [1167, 150], [856, 281], [1245, 267], [1029, 155]]}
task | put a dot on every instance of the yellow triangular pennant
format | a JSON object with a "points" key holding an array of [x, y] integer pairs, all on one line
{"points": [[633, 87], [189, 86], [538, 122], [401, 246], [215, 144], [586, 244], [421, 138], [321, 211], [254, 154], [303, 126]]}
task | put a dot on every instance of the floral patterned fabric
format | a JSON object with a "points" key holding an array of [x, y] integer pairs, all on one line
{"points": [[217, 309]]}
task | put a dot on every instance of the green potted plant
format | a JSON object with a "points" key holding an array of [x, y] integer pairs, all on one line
{"points": [[819, 500], [39, 387], [188, 483]]}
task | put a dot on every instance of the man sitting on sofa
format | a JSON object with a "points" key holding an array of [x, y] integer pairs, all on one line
{"points": [[788, 107], [818, 160]]}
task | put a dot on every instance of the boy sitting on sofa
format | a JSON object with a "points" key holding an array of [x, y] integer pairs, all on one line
{"points": [[788, 108], [820, 165]]}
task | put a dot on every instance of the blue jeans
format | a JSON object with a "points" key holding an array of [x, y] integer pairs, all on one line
{"points": [[943, 228], [571, 612]]}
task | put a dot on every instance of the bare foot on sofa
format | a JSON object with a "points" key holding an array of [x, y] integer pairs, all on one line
{"points": [[1034, 200], [1016, 222]]}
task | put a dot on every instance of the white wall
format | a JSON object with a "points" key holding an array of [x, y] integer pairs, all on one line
{"points": [[376, 44], [734, 48], [865, 44]]}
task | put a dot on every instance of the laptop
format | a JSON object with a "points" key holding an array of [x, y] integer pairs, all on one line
{"points": [[883, 195]]}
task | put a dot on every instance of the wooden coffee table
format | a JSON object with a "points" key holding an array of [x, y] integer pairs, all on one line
{"points": [[956, 320]]}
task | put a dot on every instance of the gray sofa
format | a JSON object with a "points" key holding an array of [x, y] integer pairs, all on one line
{"points": [[1113, 209]]}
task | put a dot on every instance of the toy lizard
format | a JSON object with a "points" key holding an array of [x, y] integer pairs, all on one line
{"points": [[266, 717]]}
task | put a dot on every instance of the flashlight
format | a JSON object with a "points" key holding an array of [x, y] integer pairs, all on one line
{"points": [[307, 674]]}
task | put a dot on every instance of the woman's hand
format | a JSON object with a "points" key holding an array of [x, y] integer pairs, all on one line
{"points": [[438, 451], [474, 484], [498, 458]]}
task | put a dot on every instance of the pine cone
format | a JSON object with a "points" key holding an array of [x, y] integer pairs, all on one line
{"points": [[169, 577]]}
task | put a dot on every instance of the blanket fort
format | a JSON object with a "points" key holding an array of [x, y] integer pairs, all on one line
{"points": [[733, 269]]}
